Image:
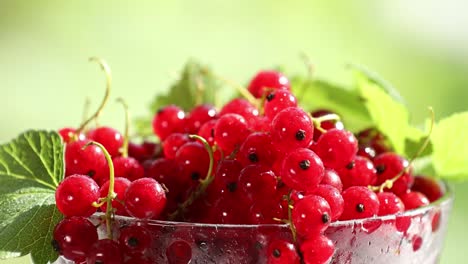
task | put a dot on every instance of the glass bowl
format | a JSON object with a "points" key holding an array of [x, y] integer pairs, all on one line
{"points": [[415, 236]]}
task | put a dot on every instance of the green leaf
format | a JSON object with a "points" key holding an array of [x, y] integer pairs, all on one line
{"points": [[31, 166], [388, 115], [318, 94], [197, 84], [450, 147]]}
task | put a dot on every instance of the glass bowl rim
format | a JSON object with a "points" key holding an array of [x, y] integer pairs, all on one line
{"points": [[442, 201]]}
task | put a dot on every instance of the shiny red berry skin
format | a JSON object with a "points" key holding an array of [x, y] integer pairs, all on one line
{"points": [[241, 107], [166, 172], [172, 143], [207, 131], [257, 149], [302, 170], [390, 204], [135, 239], [193, 160], [359, 172], [266, 211], [230, 131], [331, 178], [74, 236], [427, 186], [256, 182], [282, 252], [291, 128], [311, 216], [388, 165], [120, 187], [414, 200], [105, 251], [68, 135], [268, 79], [359, 202], [145, 198], [277, 101], [109, 137], [226, 177], [128, 167], [198, 116], [333, 198], [168, 120], [317, 250], [89, 161], [75, 195], [144, 151], [337, 148]]}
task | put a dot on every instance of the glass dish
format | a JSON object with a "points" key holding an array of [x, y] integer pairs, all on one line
{"points": [[416, 236]]}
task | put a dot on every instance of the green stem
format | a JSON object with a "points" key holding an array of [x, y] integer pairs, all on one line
{"points": [[110, 194], [105, 67], [124, 149], [204, 183], [317, 121]]}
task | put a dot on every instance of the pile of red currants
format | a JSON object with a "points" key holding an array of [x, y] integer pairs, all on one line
{"points": [[253, 161]]}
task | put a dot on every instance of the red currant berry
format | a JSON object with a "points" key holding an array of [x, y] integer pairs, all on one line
{"points": [[226, 177], [207, 131], [413, 200], [128, 167], [120, 187], [257, 182], [359, 202], [302, 170], [241, 107], [179, 252], [388, 166], [168, 120], [390, 204], [68, 135], [74, 236], [109, 137], [311, 216], [194, 161], [282, 252], [105, 251], [89, 161], [265, 212], [268, 80], [333, 198], [75, 196], [291, 128], [145, 151], [277, 101], [145, 198], [199, 116], [317, 250], [257, 149], [172, 143], [230, 131], [428, 187], [135, 239], [337, 148], [359, 172], [331, 178]]}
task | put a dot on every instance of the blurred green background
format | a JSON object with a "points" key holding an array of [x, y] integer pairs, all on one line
{"points": [[419, 46]]}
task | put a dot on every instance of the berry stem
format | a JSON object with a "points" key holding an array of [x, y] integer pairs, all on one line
{"points": [[389, 183], [124, 149], [204, 183], [110, 194], [291, 225], [318, 120], [86, 106], [105, 67]]}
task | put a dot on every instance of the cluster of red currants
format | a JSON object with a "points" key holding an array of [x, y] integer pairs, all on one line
{"points": [[266, 161]]}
